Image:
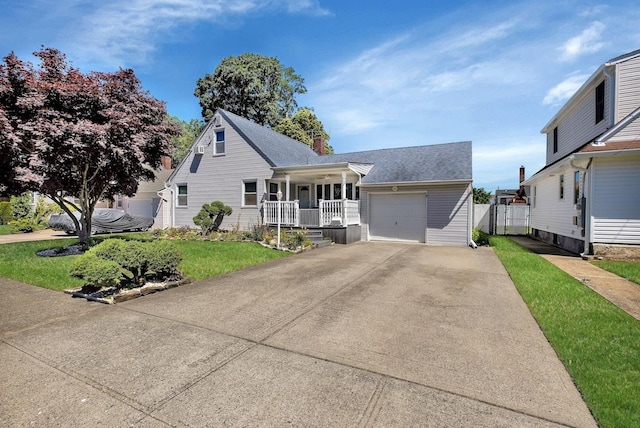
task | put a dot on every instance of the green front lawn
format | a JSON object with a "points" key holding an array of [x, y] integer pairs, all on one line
{"points": [[598, 343], [624, 269], [5, 229], [201, 259]]}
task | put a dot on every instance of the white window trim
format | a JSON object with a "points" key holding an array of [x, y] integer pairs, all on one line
{"points": [[244, 182], [215, 142], [178, 195]]}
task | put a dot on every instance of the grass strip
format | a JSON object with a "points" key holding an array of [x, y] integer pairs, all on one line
{"points": [[624, 269], [598, 343], [201, 259]]}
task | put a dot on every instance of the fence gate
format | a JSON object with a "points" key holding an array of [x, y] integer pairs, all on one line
{"points": [[511, 219]]}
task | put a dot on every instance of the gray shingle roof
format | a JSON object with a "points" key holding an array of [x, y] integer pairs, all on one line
{"points": [[275, 148], [438, 162]]}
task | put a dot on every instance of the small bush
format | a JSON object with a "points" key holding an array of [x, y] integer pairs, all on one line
{"points": [[96, 271], [293, 239], [211, 215], [479, 237], [21, 206], [163, 258], [23, 225], [6, 213], [130, 255]]}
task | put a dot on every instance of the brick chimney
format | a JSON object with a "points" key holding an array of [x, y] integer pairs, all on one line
{"points": [[166, 162], [318, 145], [521, 174]]}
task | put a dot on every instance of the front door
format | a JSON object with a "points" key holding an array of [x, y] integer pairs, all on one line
{"points": [[303, 196]]}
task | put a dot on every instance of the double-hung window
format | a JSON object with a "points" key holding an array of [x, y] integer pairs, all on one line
{"points": [[273, 191], [219, 146], [600, 102], [561, 186], [250, 193], [181, 195], [555, 140]]}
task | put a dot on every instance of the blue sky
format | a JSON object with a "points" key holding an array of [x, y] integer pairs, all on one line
{"points": [[378, 73]]}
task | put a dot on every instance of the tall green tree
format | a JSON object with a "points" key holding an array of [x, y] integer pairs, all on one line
{"points": [[481, 196], [256, 87], [87, 137], [303, 126], [183, 141]]}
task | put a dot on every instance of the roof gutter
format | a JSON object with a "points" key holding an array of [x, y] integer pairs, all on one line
{"points": [[417, 183]]}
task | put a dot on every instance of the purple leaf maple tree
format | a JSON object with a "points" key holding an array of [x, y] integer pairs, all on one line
{"points": [[77, 138]]}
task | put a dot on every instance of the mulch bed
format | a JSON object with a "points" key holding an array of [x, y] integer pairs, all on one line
{"points": [[114, 295]]}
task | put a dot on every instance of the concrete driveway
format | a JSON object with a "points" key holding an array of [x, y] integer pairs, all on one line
{"points": [[370, 334]]}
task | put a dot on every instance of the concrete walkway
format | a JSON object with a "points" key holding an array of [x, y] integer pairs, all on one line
{"points": [[364, 335], [619, 291], [39, 235]]}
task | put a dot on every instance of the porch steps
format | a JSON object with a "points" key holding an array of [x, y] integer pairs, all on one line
{"points": [[315, 236]]}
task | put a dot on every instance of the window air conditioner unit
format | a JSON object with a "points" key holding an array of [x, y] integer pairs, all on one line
{"points": [[200, 150]]}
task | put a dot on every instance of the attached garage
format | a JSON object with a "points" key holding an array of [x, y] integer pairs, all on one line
{"points": [[398, 217], [436, 215]]}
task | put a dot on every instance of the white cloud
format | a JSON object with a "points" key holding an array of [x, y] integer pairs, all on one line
{"points": [[589, 41], [565, 89], [128, 31]]}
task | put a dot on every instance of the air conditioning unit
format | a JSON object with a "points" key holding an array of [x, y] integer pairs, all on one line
{"points": [[200, 150]]}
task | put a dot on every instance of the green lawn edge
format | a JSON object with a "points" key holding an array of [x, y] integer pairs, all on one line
{"points": [[625, 269], [598, 343], [201, 260]]}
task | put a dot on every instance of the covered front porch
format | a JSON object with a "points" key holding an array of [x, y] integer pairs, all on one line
{"points": [[325, 195], [328, 214]]}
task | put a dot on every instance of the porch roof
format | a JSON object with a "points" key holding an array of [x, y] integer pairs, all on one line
{"points": [[324, 171]]}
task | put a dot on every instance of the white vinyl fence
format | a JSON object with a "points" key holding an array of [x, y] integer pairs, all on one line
{"points": [[502, 219]]}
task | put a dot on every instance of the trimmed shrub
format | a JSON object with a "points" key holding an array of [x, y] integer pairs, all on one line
{"points": [[210, 216], [96, 271], [163, 258], [130, 255], [6, 213]]}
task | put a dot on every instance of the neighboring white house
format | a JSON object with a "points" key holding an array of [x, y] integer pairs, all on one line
{"points": [[418, 194], [584, 199]]}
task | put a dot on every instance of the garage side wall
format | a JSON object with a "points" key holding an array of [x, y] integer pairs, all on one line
{"points": [[449, 215]]}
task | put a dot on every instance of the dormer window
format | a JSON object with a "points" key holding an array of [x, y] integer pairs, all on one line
{"points": [[555, 140], [600, 102], [219, 148]]}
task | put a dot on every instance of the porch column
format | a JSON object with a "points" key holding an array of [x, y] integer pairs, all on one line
{"points": [[287, 187], [344, 198]]}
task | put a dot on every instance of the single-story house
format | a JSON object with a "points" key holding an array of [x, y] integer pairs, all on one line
{"points": [[581, 199], [416, 194]]}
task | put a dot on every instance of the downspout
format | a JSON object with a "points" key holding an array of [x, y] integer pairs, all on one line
{"points": [[173, 215], [586, 212], [610, 76]]}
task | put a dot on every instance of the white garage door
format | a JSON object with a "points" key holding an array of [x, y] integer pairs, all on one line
{"points": [[397, 217]]}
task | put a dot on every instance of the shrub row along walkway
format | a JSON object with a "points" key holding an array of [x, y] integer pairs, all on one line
{"points": [[367, 334], [619, 291]]}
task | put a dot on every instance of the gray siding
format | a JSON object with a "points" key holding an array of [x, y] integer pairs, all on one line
{"points": [[616, 208], [210, 178], [448, 215], [628, 89], [578, 127]]}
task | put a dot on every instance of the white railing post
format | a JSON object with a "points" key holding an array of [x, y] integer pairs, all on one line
{"points": [[320, 205], [296, 213], [344, 212]]}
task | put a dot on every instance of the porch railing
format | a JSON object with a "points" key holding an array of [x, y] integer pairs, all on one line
{"points": [[329, 213], [288, 213]]}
